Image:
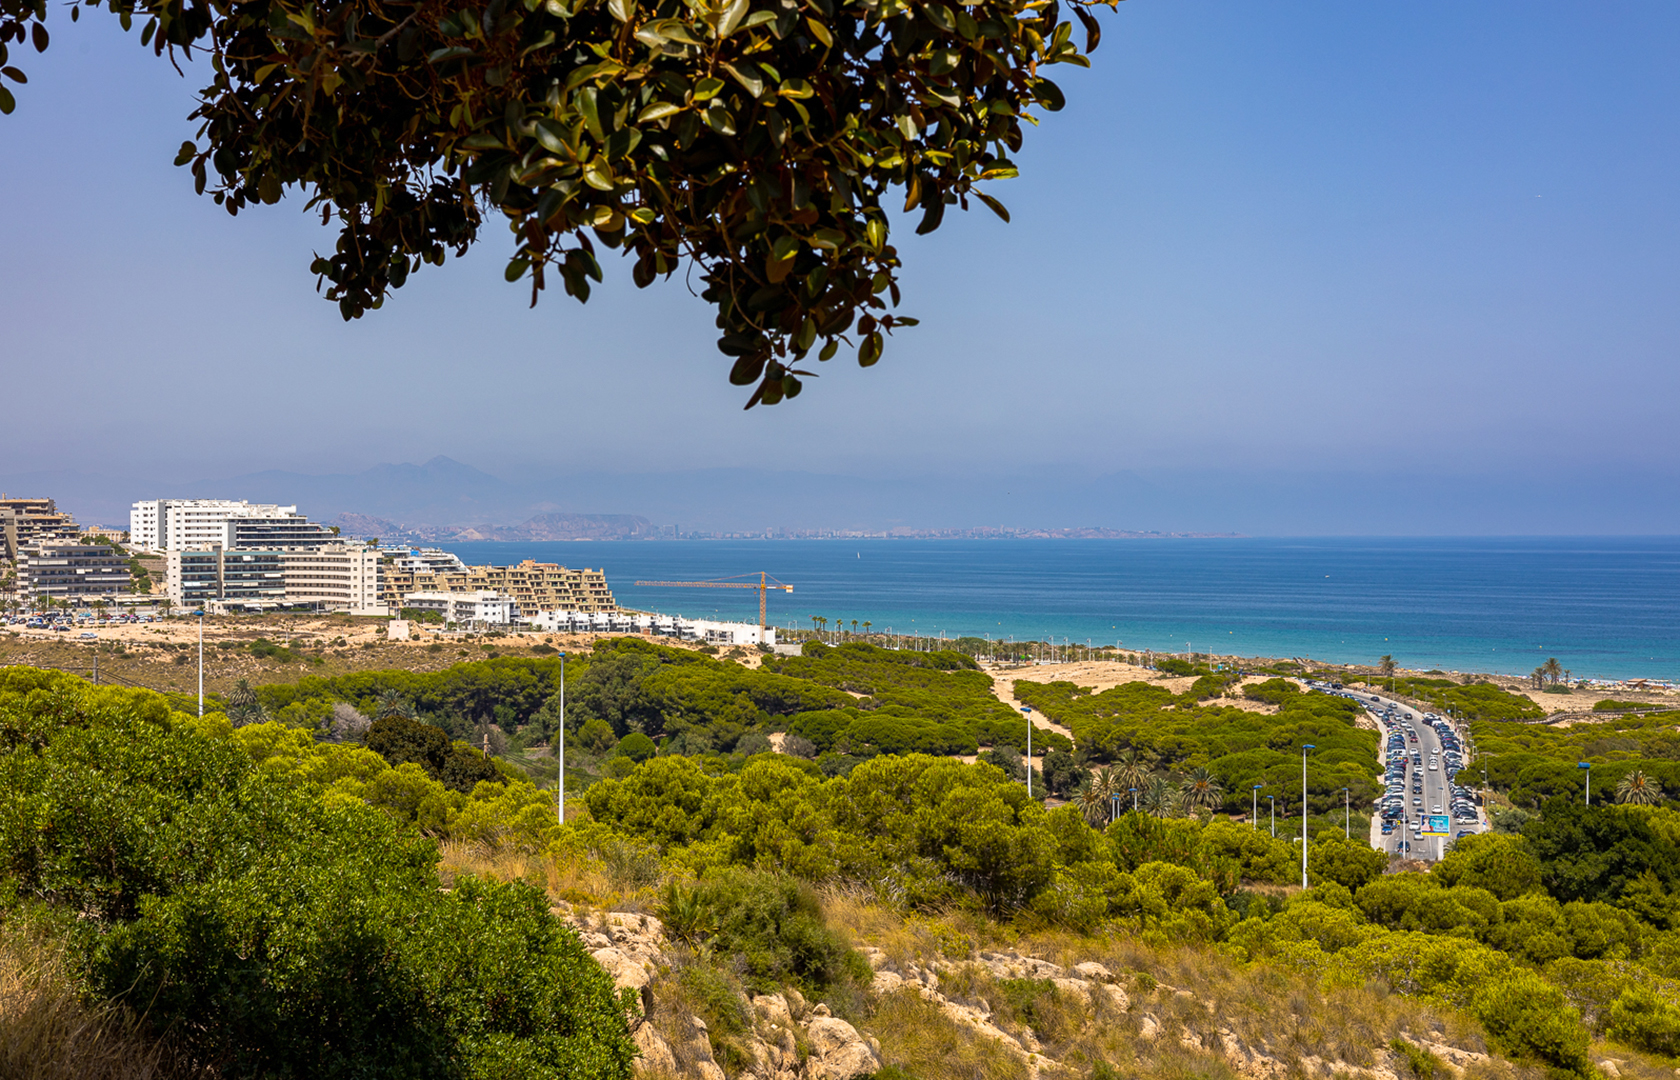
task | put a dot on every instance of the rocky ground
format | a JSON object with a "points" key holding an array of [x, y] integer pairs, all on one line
{"points": [[1103, 1017]]}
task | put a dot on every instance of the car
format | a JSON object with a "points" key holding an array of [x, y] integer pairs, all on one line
{"points": [[89, 635], [1436, 809], [1417, 802], [1462, 833]]}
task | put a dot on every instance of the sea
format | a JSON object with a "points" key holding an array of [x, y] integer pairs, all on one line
{"points": [[1605, 608]]}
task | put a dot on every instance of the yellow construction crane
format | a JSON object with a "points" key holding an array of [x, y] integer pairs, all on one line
{"points": [[764, 584]]}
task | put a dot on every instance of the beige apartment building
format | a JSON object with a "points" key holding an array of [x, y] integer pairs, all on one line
{"points": [[534, 586], [28, 522]]}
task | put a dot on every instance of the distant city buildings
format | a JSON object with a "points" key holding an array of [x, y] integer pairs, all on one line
{"points": [[330, 577], [72, 572], [26, 522], [178, 524], [532, 586]]}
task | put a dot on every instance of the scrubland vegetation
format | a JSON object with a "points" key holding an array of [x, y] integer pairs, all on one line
{"points": [[262, 893]]}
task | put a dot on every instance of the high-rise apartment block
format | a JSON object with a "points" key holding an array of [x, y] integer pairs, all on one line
{"points": [[179, 524], [26, 522]]}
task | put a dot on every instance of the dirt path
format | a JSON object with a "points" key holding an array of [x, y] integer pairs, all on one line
{"points": [[1003, 686]]}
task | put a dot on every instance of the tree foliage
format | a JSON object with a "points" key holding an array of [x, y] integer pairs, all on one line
{"points": [[759, 145], [269, 930]]}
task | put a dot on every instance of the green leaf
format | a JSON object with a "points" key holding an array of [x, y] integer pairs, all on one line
{"points": [[1000, 170], [552, 138], [707, 88], [7, 101], [1093, 32], [997, 207], [732, 16], [659, 110], [753, 84], [829, 350], [516, 269], [187, 152], [621, 9], [1050, 95], [453, 52], [869, 350], [588, 106], [820, 32], [796, 88]]}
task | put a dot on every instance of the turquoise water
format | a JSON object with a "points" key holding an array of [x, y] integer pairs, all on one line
{"points": [[1604, 608]]}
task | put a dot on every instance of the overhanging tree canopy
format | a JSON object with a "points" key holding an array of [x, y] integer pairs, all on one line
{"points": [[751, 141]]}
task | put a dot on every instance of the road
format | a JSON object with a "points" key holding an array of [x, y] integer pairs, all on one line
{"points": [[1437, 782]]}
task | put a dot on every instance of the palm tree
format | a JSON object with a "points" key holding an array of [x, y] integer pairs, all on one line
{"points": [[1639, 789], [1159, 797], [1553, 670], [389, 703], [866, 625], [819, 622], [1130, 772], [854, 626], [1094, 802], [1202, 790], [1386, 666], [1539, 677]]}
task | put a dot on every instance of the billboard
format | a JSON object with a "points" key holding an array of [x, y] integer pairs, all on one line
{"points": [[1437, 825]]}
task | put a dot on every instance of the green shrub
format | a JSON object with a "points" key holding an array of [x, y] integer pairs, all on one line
{"points": [[1648, 1019], [268, 931], [1350, 863], [637, 747], [773, 927], [1528, 1018]]}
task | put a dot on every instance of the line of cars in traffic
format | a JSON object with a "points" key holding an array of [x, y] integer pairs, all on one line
{"points": [[1404, 776]]}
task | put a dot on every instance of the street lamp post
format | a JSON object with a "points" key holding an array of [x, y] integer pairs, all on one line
{"points": [[1254, 812], [1587, 765], [1134, 799], [1027, 709], [201, 662], [1271, 812], [560, 772], [1305, 747]]}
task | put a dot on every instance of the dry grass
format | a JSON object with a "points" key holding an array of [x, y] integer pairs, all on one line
{"points": [[48, 1033], [920, 1039], [622, 879]]}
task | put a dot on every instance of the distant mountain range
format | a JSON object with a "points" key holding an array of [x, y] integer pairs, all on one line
{"points": [[825, 493]]}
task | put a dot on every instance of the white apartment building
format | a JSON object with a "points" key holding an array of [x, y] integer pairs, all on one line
{"points": [[481, 608], [334, 577], [179, 524]]}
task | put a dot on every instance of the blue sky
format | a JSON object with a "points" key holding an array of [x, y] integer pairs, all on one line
{"points": [[1320, 246]]}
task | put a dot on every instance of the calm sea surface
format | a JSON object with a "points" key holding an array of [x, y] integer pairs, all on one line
{"points": [[1604, 607]]}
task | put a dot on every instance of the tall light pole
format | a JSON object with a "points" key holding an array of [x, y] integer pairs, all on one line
{"points": [[1304, 748], [1347, 814], [1027, 709], [1254, 813], [1271, 811], [1587, 765], [201, 661], [1134, 799], [560, 773]]}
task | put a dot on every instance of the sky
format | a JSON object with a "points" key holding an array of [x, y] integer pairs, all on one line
{"points": [[1302, 251]]}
